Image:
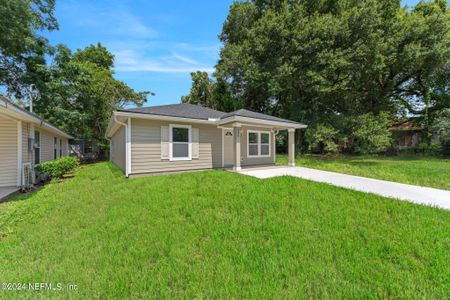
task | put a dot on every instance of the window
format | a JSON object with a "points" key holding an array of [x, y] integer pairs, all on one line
{"points": [[60, 147], [180, 142], [37, 148], [258, 143], [55, 151]]}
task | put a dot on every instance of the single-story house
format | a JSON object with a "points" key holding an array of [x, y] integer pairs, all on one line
{"points": [[182, 137], [26, 140]]}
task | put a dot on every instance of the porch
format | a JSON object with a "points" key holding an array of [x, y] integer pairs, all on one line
{"points": [[253, 144]]}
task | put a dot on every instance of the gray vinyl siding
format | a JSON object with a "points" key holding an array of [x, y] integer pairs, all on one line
{"points": [[48, 145], [253, 161], [8, 152], [118, 148], [146, 148]]}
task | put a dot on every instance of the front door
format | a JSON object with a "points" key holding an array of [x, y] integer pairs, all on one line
{"points": [[227, 147]]}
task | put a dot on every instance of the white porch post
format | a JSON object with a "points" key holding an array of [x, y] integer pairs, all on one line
{"points": [[291, 147], [237, 147]]}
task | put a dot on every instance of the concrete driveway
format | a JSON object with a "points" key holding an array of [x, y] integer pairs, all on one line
{"points": [[405, 192]]}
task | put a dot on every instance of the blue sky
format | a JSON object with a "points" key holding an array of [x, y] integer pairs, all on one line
{"points": [[156, 43]]}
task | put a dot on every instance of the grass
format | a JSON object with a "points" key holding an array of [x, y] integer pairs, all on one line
{"points": [[418, 170], [217, 234]]}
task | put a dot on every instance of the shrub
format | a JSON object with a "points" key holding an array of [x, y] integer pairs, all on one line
{"points": [[441, 129], [57, 168], [371, 133], [322, 138]]}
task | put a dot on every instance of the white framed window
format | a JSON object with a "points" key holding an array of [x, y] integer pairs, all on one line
{"points": [[258, 143], [37, 148], [180, 139]]}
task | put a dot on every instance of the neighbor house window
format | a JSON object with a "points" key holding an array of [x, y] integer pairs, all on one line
{"points": [[258, 143], [55, 150], [180, 142], [37, 148], [60, 147]]}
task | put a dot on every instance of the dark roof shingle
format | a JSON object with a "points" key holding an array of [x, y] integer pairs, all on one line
{"points": [[183, 110], [186, 110]]}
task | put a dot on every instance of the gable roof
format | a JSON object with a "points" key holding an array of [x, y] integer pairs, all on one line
{"points": [[183, 110], [190, 111], [254, 115], [27, 116]]}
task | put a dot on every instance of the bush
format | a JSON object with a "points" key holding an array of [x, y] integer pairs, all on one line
{"points": [[441, 129], [322, 138], [57, 168], [371, 133]]}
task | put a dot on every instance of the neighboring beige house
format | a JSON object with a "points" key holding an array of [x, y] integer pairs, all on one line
{"points": [[183, 137], [26, 141]]}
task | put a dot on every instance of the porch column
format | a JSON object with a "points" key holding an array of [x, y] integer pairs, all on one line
{"points": [[291, 147], [237, 147]]}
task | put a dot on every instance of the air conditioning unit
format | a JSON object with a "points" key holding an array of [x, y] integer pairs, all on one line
{"points": [[28, 176]]}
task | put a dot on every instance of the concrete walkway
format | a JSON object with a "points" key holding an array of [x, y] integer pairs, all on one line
{"points": [[405, 192], [5, 192]]}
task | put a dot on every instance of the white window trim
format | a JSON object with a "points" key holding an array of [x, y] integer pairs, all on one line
{"points": [[189, 127], [258, 132]]}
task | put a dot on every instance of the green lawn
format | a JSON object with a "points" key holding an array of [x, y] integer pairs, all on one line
{"points": [[217, 234], [417, 170]]}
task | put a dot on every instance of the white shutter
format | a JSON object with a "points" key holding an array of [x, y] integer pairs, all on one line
{"points": [[164, 142], [195, 143]]}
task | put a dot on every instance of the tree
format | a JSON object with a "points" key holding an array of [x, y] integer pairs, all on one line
{"points": [[201, 90], [322, 138], [324, 62], [22, 50], [441, 129], [210, 93], [82, 92], [371, 134]]}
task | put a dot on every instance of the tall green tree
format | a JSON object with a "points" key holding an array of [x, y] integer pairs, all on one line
{"points": [[324, 62], [213, 93], [201, 91], [82, 92], [22, 49]]}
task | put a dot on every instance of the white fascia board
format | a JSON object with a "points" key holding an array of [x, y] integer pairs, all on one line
{"points": [[269, 123], [163, 118]]}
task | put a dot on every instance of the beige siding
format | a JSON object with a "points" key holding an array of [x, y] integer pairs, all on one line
{"points": [[8, 152], [118, 148], [48, 145], [65, 149], [250, 161], [146, 148]]}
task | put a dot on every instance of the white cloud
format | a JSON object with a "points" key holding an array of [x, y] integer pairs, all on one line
{"points": [[126, 24], [135, 43], [137, 61], [184, 59]]}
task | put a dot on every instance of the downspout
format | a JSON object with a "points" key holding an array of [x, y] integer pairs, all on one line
{"points": [[127, 144]]}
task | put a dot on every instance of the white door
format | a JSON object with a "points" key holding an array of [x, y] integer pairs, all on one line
{"points": [[8, 152], [228, 147]]}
